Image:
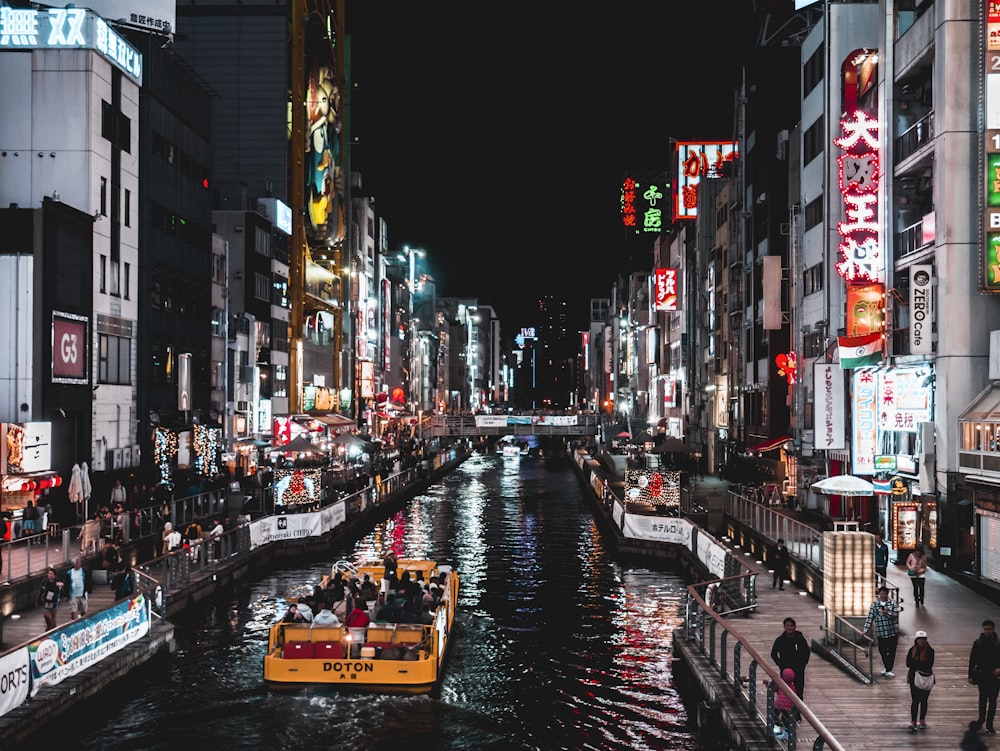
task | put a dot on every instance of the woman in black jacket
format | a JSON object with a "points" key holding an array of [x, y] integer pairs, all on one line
{"points": [[920, 659]]}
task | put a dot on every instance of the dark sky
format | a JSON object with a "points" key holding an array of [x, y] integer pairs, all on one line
{"points": [[496, 137]]}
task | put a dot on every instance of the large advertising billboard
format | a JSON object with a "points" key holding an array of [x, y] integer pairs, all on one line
{"points": [[326, 219]]}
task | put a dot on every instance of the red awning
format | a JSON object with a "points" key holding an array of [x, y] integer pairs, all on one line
{"points": [[768, 445]]}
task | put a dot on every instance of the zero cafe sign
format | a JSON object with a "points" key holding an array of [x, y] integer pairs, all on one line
{"points": [[67, 28]]}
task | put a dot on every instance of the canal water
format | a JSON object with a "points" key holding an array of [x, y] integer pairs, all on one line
{"points": [[558, 645]]}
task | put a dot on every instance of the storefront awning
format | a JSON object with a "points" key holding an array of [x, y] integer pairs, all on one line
{"points": [[768, 445], [986, 406]]}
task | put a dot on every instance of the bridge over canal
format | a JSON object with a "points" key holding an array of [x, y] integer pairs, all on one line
{"points": [[475, 426]]}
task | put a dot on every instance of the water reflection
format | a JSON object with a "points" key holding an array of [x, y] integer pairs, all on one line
{"points": [[558, 646]]}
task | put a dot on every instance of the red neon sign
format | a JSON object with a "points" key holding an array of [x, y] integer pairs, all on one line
{"points": [[859, 180]]}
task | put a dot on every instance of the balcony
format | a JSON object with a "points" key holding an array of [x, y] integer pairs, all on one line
{"points": [[915, 238], [914, 138]]}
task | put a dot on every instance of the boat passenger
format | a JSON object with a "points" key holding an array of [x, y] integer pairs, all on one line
{"points": [[391, 612], [357, 623], [368, 589], [325, 617], [293, 615]]}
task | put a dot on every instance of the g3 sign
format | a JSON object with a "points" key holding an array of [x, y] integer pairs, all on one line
{"points": [[70, 337]]}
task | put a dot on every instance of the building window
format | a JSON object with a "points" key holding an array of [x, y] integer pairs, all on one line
{"points": [[813, 213], [812, 141], [115, 278], [279, 388], [114, 359], [812, 280], [125, 281], [812, 345], [128, 207], [103, 273], [262, 287], [812, 71], [104, 196]]}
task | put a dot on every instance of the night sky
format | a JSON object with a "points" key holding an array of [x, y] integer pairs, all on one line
{"points": [[497, 140]]}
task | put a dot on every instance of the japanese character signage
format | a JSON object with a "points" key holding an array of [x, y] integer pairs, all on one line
{"points": [[644, 203], [698, 160], [665, 292], [888, 400], [67, 28], [829, 407], [858, 169]]}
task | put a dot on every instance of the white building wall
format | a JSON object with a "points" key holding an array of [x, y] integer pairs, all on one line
{"points": [[55, 148]]}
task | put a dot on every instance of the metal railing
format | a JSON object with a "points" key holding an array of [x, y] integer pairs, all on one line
{"points": [[725, 649], [850, 646], [803, 541]]}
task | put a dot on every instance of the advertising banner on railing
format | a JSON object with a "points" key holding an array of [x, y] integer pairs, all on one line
{"points": [[87, 641], [658, 529], [712, 554], [14, 680], [296, 526]]}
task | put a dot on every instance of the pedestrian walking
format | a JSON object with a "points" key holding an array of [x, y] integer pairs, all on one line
{"points": [[781, 561], [916, 568], [77, 587], [884, 615], [920, 676], [881, 559], [48, 598], [791, 650], [984, 673]]}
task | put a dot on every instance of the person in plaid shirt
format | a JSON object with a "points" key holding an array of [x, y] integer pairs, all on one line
{"points": [[884, 613]]}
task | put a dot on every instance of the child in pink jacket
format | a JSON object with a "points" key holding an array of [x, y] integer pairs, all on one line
{"points": [[783, 705]]}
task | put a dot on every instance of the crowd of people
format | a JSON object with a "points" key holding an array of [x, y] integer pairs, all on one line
{"points": [[345, 601]]}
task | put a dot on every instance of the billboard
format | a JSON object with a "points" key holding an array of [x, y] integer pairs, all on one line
{"points": [[325, 209], [697, 161], [70, 358]]}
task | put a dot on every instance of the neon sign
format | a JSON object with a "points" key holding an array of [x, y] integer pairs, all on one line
{"points": [[643, 202], [695, 161], [67, 28], [665, 282], [859, 180]]}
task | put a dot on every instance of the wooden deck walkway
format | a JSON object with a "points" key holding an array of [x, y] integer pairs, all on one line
{"points": [[877, 716]]}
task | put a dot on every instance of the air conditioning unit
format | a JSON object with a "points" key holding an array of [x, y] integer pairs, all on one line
{"points": [[242, 406]]}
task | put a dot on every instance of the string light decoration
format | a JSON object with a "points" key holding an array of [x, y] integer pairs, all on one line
{"points": [[653, 488], [164, 450], [207, 442], [297, 486]]}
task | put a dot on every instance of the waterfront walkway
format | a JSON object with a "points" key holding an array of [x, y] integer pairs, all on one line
{"points": [[877, 716]]}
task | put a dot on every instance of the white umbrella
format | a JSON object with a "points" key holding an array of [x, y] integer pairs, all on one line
{"points": [[848, 485], [75, 489], [85, 480]]}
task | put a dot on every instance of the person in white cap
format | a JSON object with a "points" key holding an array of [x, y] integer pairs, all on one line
{"points": [[920, 661]]}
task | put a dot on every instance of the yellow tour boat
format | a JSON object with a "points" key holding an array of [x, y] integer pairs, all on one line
{"points": [[382, 657]]}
